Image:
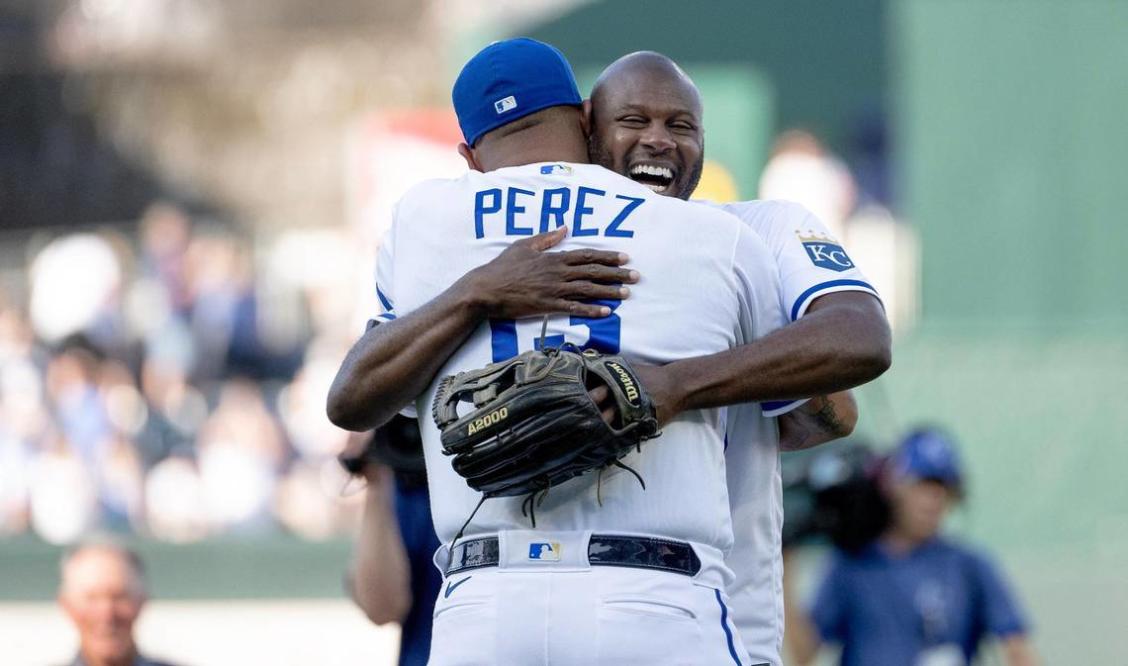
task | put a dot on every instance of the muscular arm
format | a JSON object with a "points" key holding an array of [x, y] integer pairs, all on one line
{"points": [[843, 341], [821, 419], [394, 362]]}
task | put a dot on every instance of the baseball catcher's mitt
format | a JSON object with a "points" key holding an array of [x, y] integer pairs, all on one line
{"points": [[534, 424]]}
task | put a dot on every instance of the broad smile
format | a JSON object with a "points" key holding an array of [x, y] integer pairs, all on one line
{"points": [[657, 176]]}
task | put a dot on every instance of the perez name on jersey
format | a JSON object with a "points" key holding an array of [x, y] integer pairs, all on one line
{"points": [[588, 211]]}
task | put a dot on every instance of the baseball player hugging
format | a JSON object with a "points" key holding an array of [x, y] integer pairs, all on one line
{"points": [[612, 573]]}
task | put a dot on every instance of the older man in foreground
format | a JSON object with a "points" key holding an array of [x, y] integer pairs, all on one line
{"points": [[102, 592]]}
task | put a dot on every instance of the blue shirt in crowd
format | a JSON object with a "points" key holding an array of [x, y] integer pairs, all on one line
{"points": [[884, 608], [413, 513]]}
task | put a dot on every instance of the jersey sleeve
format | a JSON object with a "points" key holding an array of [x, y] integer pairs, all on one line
{"points": [[385, 286], [812, 263], [761, 311], [998, 608], [757, 286], [385, 290]]}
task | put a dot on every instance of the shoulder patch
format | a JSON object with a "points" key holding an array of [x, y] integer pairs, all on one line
{"points": [[825, 252]]}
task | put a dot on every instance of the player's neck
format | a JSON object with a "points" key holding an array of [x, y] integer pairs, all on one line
{"points": [[537, 154], [533, 147]]}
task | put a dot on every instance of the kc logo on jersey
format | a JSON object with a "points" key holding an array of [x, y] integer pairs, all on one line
{"points": [[544, 551], [825, 252]]}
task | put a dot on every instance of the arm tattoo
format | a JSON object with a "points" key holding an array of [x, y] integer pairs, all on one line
{"points": [[828, 419]]}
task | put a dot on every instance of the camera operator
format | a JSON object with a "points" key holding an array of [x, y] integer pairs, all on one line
{"points": [[392, 578], [910, 596]]}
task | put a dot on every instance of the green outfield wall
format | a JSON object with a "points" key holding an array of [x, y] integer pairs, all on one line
{"points": [[1012, 127]]}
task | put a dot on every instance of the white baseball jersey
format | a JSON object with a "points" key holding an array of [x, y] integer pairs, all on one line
{"points": [[707, 284], [811, 264]]}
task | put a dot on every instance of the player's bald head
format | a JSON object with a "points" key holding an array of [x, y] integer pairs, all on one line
{"points": [[646, 123], [645, 70]]}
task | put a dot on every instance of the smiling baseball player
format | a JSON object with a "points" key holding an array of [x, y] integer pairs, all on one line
{"points": [[647, 125], [613, 573]]}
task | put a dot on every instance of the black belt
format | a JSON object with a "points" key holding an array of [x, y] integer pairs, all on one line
{"points": [[604, 550]]}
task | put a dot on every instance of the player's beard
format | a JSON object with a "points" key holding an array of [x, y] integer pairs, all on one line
{"points": [[694, 178], [599, 154]]}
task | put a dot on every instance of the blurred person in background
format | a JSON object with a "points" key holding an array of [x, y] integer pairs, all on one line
{"points": [[175, 509], [102, 592], [62, 497], [175, 408], [95, 410], [72, 378], [802, 170], [121, 471], [228, 319], [23, 418], [911, 596], [75, 285], [393, 578], [240, 455], [165, 234], [219, 282], [120, 486]]}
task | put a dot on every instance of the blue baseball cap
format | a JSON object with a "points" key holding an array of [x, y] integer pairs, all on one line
{"points": [[509, 80], [929, 453]]}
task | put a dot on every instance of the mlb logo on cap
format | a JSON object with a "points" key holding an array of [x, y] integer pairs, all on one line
{"points": [[505, 104]]}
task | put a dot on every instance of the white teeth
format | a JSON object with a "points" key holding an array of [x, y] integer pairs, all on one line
{"points": [[658, 189], [651, 170]]}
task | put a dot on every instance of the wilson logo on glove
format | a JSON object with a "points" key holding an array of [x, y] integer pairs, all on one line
{"points": [[626, 383]]}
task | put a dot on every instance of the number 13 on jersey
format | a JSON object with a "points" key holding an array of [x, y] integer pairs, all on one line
{"points": [[603, 334]]}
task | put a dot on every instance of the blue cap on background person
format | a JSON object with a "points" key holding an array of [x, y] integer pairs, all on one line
{"points": [[928, 454], [509, 80]]}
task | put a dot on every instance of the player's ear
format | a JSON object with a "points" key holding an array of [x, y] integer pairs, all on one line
{"points": [[467, 154], [585, 117]]}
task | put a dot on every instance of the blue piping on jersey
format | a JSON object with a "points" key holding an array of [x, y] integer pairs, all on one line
{"points": [[772, 405], [827, 285], [724, 625], [384, 299]]}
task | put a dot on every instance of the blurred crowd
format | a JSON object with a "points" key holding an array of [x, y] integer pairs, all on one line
{"points": [[170, 381]]}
